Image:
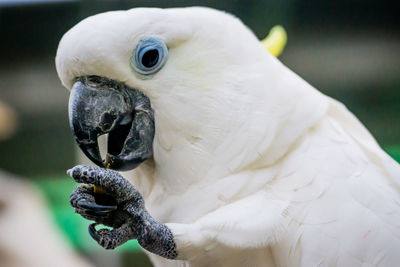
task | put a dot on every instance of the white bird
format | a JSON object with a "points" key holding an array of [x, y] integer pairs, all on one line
{"points": [[251, 165]]}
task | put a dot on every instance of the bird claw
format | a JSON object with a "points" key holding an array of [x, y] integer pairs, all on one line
{"points": [[111, 208], [128, 218]]}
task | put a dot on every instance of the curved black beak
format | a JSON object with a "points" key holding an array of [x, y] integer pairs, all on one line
{"points": [[99, 106]]}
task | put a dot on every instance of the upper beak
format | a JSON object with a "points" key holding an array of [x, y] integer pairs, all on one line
{"points": [[99, 106]]}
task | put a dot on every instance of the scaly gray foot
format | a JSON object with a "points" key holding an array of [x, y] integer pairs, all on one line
{"points": [[122, 208]]}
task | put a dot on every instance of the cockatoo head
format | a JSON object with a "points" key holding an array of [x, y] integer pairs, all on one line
{"points": [[180, 59]]}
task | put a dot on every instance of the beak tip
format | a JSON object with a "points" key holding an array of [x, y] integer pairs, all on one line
{"points": [[92, 152]]}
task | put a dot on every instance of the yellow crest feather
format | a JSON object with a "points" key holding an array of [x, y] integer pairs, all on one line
{"points": [[275, 41]]}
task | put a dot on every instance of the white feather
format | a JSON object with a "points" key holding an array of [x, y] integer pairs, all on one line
{"points": [[252, 166]]}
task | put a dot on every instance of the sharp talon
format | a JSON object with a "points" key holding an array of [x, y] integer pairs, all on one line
{"points": [[85, 213], [102, 213], [96, 208], [93, 233]]}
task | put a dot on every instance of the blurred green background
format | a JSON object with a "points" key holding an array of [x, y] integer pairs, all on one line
{"points": [[349, 50]]}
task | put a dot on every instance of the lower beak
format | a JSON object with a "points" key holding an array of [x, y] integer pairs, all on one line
{"points": [[100, 106]]}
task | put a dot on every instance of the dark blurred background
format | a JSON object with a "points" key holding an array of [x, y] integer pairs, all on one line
{"points": [[348, 49]]}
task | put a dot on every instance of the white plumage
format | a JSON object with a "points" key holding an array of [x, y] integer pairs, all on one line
{"points": [[252, 166]]}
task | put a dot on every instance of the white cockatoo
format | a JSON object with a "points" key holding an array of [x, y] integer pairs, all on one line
{"points": [[249, 164]]}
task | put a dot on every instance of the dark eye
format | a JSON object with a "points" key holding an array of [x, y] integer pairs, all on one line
{"points": [[149, 56]]}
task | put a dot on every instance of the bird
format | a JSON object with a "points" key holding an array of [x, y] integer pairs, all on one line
{"points": [[233, 159]]}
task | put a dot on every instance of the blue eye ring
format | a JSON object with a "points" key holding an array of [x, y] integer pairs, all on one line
{"points": [[149, 56]]}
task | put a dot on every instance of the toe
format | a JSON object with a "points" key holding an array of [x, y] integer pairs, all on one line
{"points": [[109, 239], [83, 192], [103, 237], [82, 174], [111, 181]]}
